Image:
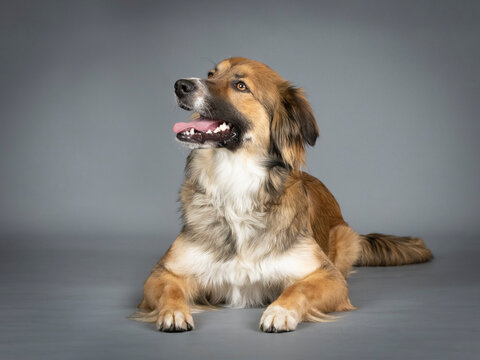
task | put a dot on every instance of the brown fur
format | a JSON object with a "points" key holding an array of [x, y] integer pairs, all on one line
{"points": [[387, 250], [275, 236]]}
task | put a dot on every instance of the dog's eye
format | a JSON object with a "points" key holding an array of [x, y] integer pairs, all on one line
{"points": [[241, 86], [210, 74]]}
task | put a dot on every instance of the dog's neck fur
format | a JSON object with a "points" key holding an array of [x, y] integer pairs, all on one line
{"points": [[237, 179], [240, 186]]}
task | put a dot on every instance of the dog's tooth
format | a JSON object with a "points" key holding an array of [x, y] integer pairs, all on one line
{"points": [[192, 131], [217, 130], [209, 131]]}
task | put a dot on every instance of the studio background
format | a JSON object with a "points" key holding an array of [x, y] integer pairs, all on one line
{"points": [[90, 169]]}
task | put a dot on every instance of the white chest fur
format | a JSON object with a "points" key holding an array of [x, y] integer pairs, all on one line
{"points": [[254, 274], [233, 178], [232, 182]]}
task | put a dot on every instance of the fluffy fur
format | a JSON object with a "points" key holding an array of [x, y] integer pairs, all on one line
{"points": [[257, 230]]}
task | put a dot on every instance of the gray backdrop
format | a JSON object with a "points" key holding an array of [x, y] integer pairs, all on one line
{"points": [[87, 107], [88, 158]]}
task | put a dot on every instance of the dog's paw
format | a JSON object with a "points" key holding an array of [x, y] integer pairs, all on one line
{"points": [[174, 321], [278, 319]]}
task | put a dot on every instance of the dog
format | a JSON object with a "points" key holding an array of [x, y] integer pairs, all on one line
{"points": [[257, 230]]}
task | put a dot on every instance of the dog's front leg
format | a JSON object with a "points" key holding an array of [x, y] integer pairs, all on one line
{"points": [[167, 294], [324, 290]]}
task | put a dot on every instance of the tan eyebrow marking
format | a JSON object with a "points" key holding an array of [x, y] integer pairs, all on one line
{"points": [[221, 66]]}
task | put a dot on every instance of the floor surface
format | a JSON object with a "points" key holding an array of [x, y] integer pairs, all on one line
{"points": [[63, 303]]}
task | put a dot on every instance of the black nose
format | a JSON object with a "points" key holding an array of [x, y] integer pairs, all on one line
{"points": [[184, 87]]}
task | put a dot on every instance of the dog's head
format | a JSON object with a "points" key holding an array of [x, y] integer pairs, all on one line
{"points": [[243, 104]]}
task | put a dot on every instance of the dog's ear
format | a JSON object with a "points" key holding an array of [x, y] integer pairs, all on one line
{"points": [[293, 125]]}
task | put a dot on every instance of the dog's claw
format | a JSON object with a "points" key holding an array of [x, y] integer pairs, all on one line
{"points": [[174, 321]]}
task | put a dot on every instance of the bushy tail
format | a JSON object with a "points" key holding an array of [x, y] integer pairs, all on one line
{"points": [[388, 250]]}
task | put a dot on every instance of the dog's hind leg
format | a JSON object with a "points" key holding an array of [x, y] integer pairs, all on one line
{"points": [[344, 248], [323, 291]]}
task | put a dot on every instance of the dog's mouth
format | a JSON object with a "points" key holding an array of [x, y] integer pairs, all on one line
{"points": [[204, 130]]}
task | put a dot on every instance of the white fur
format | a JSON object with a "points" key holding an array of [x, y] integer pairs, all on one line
{"points": [[199, 102], [232, 182], [237, 182], [236, 177], [280, 318], [244, 280]]}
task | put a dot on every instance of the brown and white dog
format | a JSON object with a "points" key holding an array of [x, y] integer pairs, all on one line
{"points": [[256, 229]]}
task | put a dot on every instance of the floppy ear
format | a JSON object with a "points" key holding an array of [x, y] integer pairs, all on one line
{"points": [[293, 126]]}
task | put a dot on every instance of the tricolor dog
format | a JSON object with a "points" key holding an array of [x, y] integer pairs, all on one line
{"points": [[257, 230]]}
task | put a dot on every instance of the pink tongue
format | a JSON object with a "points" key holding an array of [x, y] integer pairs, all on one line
{"points": [[199, 125]]}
